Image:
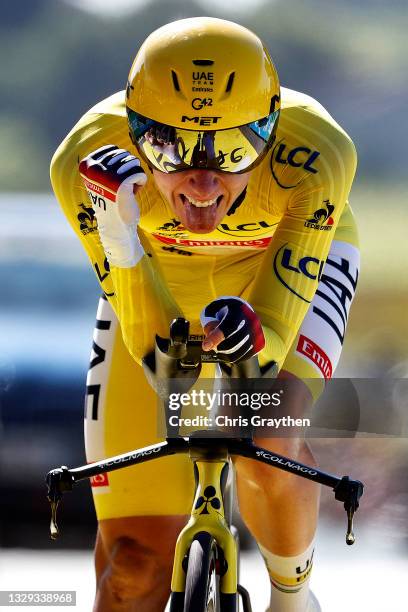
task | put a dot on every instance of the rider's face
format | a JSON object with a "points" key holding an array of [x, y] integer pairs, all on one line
{"points": [[215, 191]]}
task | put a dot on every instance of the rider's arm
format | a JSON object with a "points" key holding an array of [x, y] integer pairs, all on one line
{"points": [[134, 292], [289, 275]]}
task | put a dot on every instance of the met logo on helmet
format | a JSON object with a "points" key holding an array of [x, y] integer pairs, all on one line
{"points": [[200, 120]]}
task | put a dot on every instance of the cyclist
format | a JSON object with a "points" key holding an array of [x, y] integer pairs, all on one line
{"points": [[205, 188]]}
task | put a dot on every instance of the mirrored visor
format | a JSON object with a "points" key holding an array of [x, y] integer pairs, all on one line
{"points": [[172, 149]]}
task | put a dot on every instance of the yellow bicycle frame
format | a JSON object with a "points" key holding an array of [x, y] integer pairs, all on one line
{"points": [[208, 514]]}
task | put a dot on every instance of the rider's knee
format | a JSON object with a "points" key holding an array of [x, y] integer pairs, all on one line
{"points": [[135, 570]]}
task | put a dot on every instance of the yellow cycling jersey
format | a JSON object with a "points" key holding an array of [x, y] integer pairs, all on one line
{"points": [[270, 248]]}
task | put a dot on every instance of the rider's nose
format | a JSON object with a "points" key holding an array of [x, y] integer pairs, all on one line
{"points": [[203, 183]]}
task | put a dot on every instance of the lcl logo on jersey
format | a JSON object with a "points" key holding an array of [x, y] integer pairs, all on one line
{"points": [[288, 266], [253, 228], [298, 157]]}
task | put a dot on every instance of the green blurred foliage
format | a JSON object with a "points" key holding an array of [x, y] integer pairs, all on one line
{"points": [[58, 61]]}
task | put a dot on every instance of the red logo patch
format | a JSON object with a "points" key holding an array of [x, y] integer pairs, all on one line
{"points": [[100, 480], [310, 349]]}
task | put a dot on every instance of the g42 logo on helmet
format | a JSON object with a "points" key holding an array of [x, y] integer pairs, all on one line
{"points": [[199, 103], [322, 219]]}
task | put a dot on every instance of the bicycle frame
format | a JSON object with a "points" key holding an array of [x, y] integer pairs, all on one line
{"points": [[208, 514]]}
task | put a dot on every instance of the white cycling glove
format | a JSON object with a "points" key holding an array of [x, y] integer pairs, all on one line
{"points": [[109, 174]]}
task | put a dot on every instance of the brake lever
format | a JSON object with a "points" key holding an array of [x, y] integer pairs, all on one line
{"points": [[349, 491], [58, 482]]}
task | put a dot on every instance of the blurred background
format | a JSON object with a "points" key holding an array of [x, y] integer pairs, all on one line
{"points": [[59, 57]]}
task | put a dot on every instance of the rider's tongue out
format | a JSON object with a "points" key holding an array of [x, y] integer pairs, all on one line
{"points": [[199, 218]]}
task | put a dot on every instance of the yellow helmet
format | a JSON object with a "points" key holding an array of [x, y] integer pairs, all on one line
{"points": [[203, 93], [203, 73]]}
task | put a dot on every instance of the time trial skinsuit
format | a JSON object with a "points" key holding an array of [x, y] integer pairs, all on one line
{"points": [[288, 246]]}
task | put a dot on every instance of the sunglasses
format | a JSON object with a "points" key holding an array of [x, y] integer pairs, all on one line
{"points": [[172, 149]]}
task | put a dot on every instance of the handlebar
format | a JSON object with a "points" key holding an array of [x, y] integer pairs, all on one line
{"points": [[180, 357]]}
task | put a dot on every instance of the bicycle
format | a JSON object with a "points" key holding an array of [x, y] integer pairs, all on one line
{"points": [[205, 568]]}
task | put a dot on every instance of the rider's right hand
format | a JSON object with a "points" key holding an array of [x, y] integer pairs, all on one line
{"points": [[112, 176], [233, 329]]}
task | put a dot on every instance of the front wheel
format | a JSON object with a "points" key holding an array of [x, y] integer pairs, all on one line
{"points": [[202, 581]]}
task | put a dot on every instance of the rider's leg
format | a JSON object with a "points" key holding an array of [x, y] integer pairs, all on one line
{"points": [[142, 508], [296, 499], [281, 510], [133, 559], [284, 518]]}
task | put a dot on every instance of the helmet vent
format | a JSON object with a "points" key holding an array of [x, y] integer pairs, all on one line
{"points": [[175, 81], [230, 82], [203, 62]]}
